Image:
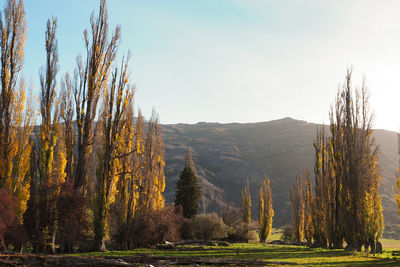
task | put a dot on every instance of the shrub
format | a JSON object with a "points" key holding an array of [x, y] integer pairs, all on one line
{"points": [[158, 227], [206, 227], [8, 219], [288, 235], [72, 221], [237, 231]]}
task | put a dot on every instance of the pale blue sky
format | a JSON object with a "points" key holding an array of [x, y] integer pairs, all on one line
{"points": [[238, 60]]}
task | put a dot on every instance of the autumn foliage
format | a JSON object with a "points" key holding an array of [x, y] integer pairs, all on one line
{"points": [[346, 205], [265, 210], [91, 176]]}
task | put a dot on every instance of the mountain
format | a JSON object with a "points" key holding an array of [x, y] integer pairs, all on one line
{"points": [[227, 154]]}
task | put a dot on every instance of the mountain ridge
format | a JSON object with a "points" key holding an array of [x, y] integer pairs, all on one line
{"points": [[226, 154]]}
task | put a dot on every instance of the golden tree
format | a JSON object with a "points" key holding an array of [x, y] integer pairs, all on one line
{"points": [[113, 121], [16, 112], [67, 115], [308, 201], [51, 161], [153, 182], [298, 205], [265, 210], [319, 207], [124, 208], [347, 204], [246, 204], [92, 76]]}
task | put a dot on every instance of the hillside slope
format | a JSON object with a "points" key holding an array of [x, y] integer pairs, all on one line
{"points": [[227, 154]]}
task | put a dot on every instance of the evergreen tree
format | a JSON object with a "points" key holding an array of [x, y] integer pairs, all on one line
{"points": [[187, 191]]}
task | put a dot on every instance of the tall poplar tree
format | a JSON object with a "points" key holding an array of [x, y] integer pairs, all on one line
{"points": [[16, 113], [154, 162], [265, 210], [298, 206], [113, 122], [347, 204], [246, 204], [91, 78], [51, 161], [308, 225]]}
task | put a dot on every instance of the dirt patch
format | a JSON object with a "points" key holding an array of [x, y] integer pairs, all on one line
{"points": [[47, 260]]}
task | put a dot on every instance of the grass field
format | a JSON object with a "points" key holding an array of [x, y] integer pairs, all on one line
{"points": [[290, 254], [274, 253]]}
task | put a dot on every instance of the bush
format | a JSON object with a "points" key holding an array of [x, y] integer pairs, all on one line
{"points": [[151, 229], [8, 219], [237, 231], [72, 221], [206, 227], [288, 235]]}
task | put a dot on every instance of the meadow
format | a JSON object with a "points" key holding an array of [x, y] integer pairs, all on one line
{"points": [[271, 254]]}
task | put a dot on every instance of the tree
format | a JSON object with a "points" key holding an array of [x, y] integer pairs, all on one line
{"points": [[71, 222], [124, 209], [91, 78], [319, 205], [16, 113], [7, 216], [67, 115], [246, 204], [187, 189], [265, 210], [113, 121], [298, 205], [154, 184], [347, 204], [308, 203], [52, 160]]}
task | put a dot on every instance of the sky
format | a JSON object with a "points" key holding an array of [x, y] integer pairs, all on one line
{"points": [[237, 60]]}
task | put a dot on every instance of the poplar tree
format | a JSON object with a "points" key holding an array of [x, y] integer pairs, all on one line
{"points": [[246, 204], [113, 122], [308, 203], [124, 209], [51, 161], [319, 207], [91, 78], [298, 205], [67, 115], [347, 204], [153, 179], [265, 210], [16, 111]]}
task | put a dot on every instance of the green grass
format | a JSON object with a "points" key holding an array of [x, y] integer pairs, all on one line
{"points": [[300, 255]]}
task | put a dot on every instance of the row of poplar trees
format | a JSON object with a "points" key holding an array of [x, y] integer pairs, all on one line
{"points": [[89, 152], [265, 209], [346, 205]]}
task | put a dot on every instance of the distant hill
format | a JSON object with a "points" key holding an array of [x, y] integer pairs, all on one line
{"points": [[227, 154]]}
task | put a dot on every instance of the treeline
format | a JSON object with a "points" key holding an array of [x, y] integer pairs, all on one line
{"points": [[345, 205], [91, 169]]}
